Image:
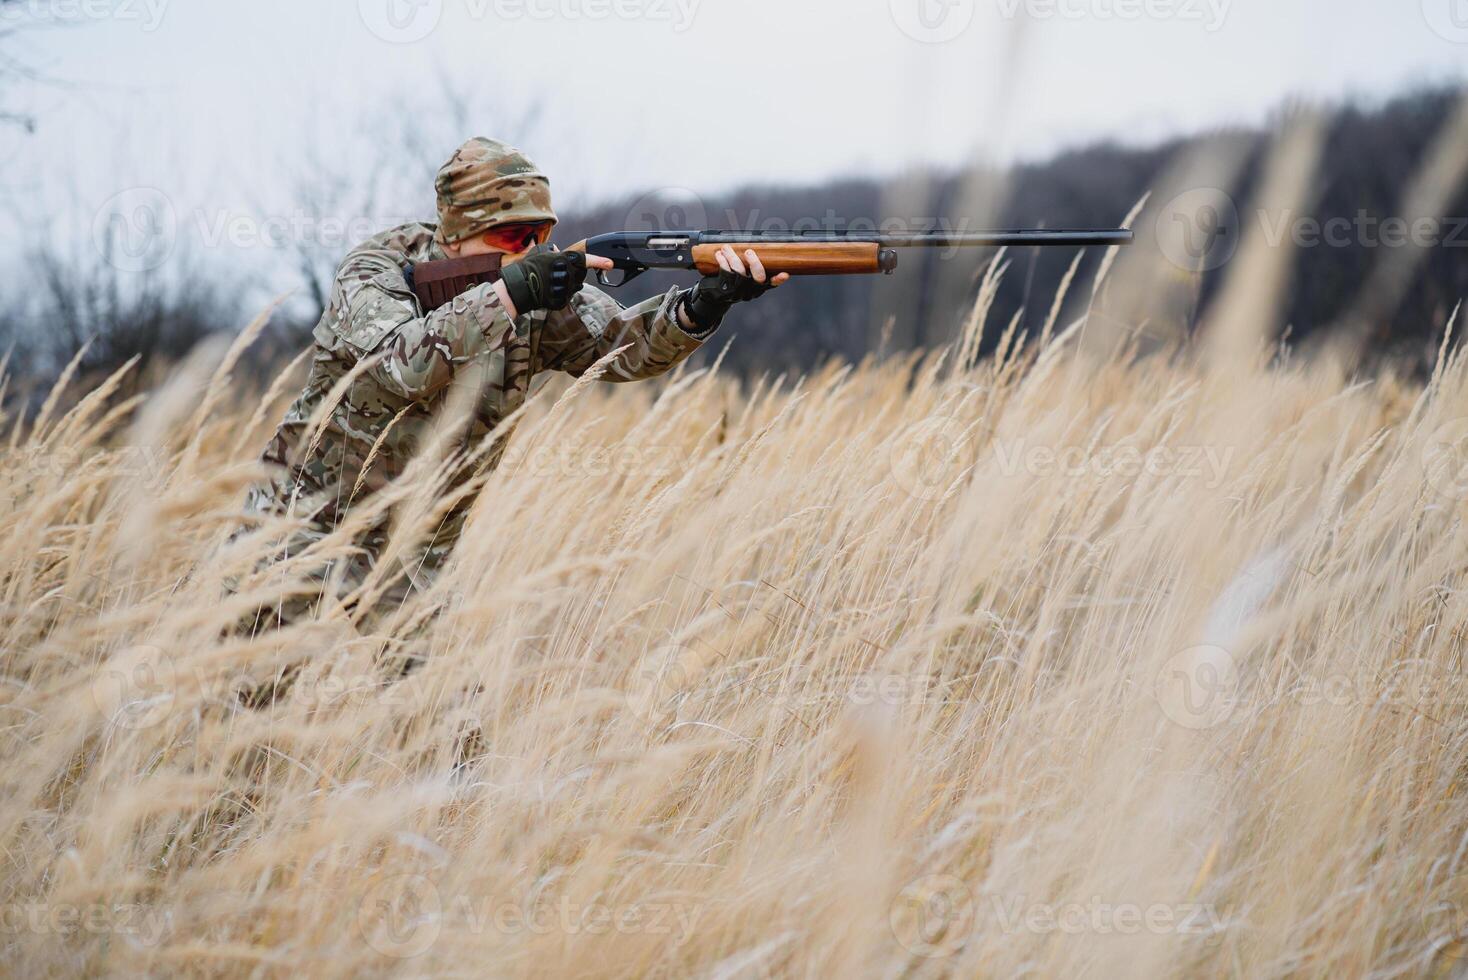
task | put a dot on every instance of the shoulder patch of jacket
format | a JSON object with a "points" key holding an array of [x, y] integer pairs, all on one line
{"points": [[374, 310], [595, 309]]}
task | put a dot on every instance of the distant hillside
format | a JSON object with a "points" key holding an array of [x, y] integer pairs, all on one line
{"points": [[1370, 156]]}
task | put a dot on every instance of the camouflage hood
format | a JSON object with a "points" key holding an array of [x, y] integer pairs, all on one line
{"points": [[488, 183]]}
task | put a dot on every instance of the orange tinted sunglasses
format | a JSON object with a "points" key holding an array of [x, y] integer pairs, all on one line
{"points": [[518, 237]]}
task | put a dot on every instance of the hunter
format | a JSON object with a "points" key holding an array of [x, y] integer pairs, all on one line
{"points": [[401, 358]]}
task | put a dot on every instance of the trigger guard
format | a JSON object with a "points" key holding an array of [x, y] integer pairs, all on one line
{"points": [[604, 278]]}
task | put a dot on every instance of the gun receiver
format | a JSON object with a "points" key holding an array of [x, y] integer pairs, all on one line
{"points": [[802, 254]]}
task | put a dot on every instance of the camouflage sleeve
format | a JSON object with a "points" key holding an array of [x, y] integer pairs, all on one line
{"points": [[594, 325], [374, 312]]}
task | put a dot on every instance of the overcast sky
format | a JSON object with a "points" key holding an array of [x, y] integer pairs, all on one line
{"points": [[218, 103]]}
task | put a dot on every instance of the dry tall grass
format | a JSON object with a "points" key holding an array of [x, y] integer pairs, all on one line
{"points": [[1055, 664]]}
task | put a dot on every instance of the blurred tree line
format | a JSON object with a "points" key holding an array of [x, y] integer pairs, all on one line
{"points": [[1369, 158]]}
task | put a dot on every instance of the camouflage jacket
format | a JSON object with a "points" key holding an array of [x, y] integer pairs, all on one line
{"points": [[373, 316]]}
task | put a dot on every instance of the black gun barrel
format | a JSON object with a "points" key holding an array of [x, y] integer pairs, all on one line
{"points": [[981, 239]]}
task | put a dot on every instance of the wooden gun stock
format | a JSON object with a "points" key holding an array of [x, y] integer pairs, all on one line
{"points": [[799, 259], [816, 258]]}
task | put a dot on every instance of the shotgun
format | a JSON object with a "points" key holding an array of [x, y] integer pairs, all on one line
{"points": [[798, 253], [805, 254]]}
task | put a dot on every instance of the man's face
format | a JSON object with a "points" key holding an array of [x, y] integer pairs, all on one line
{"points": [[511, 241]]}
